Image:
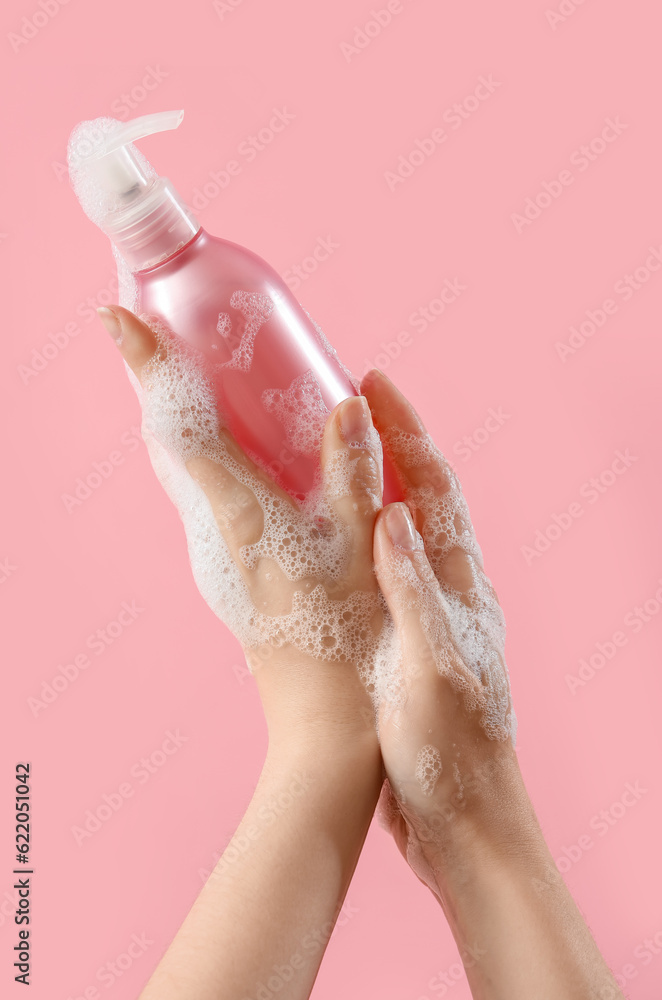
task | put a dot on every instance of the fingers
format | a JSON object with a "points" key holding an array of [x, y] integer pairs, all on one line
{"points": [[430, 486], [351, 459], [418, 461], [228, 477], [136, 342], [436, 695], [238, 492], [236, 510], [421, 615]]}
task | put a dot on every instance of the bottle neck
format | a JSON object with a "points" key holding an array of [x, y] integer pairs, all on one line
{"points": [[163, 228]]}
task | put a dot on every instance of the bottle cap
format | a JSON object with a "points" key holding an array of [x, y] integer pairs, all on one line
{"points": [[120, 191]]}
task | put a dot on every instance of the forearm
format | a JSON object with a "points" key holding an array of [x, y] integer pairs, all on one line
{"points": [[270, 905], [517, 928]]}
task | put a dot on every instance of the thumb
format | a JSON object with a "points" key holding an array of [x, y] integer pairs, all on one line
{"points": [[136, 341]]}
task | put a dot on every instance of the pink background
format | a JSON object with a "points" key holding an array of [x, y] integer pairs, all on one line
{"points": [[175, 667]]}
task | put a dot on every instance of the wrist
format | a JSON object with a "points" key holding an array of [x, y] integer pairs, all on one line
{"points": [[324, 793], [317, 710], [490, 827], [335, 755]]}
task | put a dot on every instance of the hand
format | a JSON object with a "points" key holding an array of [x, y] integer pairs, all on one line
{"points": [[308, 671], [447, 743], [274, 896], [460, 813], [455, 799]]}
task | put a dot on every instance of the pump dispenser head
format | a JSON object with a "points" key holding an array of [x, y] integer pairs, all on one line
{"points": [[122, 194]]}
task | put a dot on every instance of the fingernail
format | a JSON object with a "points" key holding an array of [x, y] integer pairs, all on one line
{"points": [[111, 322], [400, 527], [355, 419], [378, 371]]}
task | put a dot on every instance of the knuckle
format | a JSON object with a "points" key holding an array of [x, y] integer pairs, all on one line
{"points": [[366, 481]]}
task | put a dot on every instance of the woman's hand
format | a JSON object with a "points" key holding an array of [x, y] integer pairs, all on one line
{"points": [[310, 690], [265, 915], [455, 800], [447, 743], [458, 806]]}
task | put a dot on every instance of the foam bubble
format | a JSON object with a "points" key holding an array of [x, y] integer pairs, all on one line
{"points": [[468, 621], [304, 549], [126, 281], [307, 548], [89, 139], [301, 410], [256, 309], [331, 351], [428, 768]]}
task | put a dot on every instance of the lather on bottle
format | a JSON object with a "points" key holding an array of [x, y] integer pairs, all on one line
{"points": [[275, 375]]}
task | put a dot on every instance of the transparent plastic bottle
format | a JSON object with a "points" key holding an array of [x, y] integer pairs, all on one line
{"points": [[274, 373], [210, 278]]}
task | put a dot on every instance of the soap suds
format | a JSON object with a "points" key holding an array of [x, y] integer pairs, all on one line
{"points": [[305, 548], [301, 410], [256, 309], [88, 139], [428, 768], [329, 349]]}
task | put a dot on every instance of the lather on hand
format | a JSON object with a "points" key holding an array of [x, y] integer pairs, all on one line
{"points": [[455, 799]]}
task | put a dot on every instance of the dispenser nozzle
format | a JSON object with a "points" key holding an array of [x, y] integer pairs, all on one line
{"points": [[121, 193], [138, 128]]}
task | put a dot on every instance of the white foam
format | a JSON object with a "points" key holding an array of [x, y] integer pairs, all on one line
{"points": [[428, 768], [468, 621], [331, 351], [256, 309], [126, 281], [305, 548], [309, 548], [87, 139], [301, 410]]}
